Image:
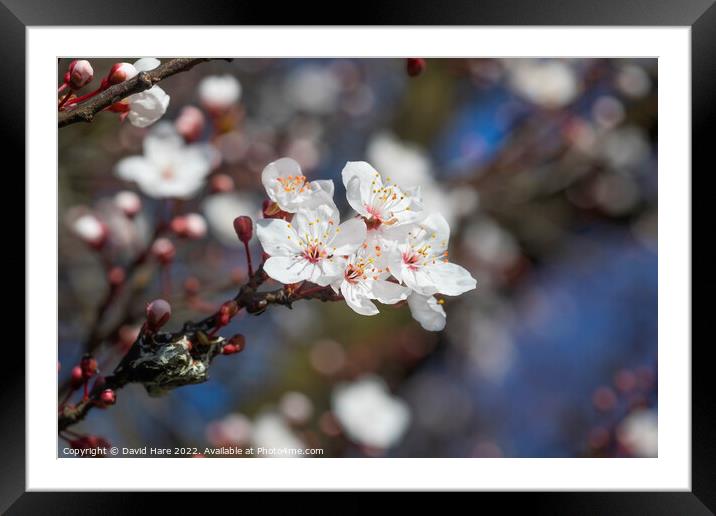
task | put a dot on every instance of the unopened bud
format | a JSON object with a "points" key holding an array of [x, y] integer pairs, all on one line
{"points": [[129, 202], [163, 249], [415, 66], [121, 72], [108, 397], [191, 226], [221, 183], [236, 344], [88, 364], [190, 123], [244, 228], [158, 313], [79, 74], [76, 377], [91, 230], [227, 311]]}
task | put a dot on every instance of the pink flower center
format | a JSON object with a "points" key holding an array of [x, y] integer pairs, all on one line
{"points": [[314, 253], [353, 273], [412, 260]]}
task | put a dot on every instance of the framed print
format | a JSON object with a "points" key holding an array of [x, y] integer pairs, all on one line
{"points": [[349, 257]]}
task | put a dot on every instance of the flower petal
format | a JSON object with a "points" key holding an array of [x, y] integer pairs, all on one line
{"points": [[287, 269], [133, 167], [388, 292], [146, 63], [283, 167], [355, 197], [450, 278], [277, 237], [146, 107], [427, 311], [349, 236], [357, 299]]}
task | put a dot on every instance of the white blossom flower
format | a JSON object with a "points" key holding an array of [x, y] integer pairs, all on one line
{"points": [[639, 433], [168, 168], [219, 92], [369, 414], [550, 83], [428, 311], [421, 260], [286, 185], [309, 248], [364, 278], [385, 207], [270, 431], [148, 106]]}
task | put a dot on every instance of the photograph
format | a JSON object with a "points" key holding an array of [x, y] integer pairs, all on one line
{"points": [[395, 257]]}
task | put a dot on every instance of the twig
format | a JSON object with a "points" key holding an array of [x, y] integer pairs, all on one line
{"points": [[86, 111]]}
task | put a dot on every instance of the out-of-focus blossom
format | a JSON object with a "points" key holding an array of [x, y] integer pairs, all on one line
{"points": [[491, 243], [327, 356], [608, 111], [129, 202], [271, 431], [633, 81], [408, 164], [191, 225], [286, 185], [296, 407], [365, 279], [190, 123], [368, 413], [168, 168], [638, 433], [308, 247], [90, 229], [219, 92], [550, 83], [221, 210], [421, 261], [625, 148], [233, 430], [313, 89], [428, 311]]}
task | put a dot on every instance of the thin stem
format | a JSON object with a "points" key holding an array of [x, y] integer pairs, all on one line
{"points": [[248, 258], [64, 99]]}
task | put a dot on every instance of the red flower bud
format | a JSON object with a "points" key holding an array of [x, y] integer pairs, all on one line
{"points": [[120, 72], [108, 397], [89, 366], [415, 66], [227, 311], [163, 250], [76, 377], [158, 313], [79, 74], [236, 344], [244, 228]]}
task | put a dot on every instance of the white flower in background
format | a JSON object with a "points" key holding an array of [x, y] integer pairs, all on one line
{"points": [[408, 164], [271, 431], [364, 278], [428, 311], [369, 414], [421, 261], [550, 83], [219, 92], [221, 209], [383, 205], [314, 89], [168, 168], [296, 407], [310, 246], [639, 433], [286, 185]]}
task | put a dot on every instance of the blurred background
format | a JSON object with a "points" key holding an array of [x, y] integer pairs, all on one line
{"points": [[546, 171]]}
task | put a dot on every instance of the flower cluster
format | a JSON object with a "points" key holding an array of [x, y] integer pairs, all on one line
{"points": [[391, 251]]}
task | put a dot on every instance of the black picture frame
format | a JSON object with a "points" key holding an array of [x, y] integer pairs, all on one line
{"points": [[700, 15]]}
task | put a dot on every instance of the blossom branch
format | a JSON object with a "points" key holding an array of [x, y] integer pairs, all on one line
{"points": [[86, 111]]}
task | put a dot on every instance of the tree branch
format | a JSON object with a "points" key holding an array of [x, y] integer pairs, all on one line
{"points": [[86, 111]]}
